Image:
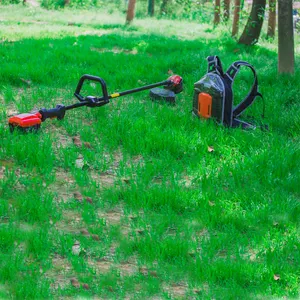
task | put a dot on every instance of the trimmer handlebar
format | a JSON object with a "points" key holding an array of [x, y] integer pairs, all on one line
{"points": [[91, 78]]}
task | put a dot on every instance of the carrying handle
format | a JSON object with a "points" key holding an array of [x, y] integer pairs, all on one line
{"points": [[230, 75], [91, 78], [214, 64]]}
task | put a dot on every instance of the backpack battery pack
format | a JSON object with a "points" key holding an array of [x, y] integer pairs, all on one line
{"points": [[213, 95]]}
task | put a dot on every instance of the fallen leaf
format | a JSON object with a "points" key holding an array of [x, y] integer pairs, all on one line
{"points": [[275, 223], [276, 277], [76, 140], [76, 248], [75, 282], [211, 203], [95, 237], [87, 145], [170, 72], [210, 149], [86, 286], [89, 200], [153, 273], [110, 289], [236, 50], [140, 231], [84, 232], [126, 180], [78, 196]]}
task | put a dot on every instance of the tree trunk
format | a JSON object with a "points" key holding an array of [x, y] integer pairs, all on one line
{"points": [[252, 29], [163, 8], [236, 17], [151, 7], [272, 19], [130, 11], [217, 12], [286, 55], [226, 12]]}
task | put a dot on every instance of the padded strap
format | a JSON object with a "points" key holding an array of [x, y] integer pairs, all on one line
{"points": [[214, 65], [230, 75]]}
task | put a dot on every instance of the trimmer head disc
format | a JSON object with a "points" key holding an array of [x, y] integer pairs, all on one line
{"points": [[162, 94]]}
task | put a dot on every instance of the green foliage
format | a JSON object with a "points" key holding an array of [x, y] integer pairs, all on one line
{"points": [[5, 2], [165, 216]]}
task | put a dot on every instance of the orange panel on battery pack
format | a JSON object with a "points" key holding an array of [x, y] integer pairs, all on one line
{"points": [[204, 105]]}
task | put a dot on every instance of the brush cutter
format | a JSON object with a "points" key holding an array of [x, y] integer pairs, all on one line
{"points": [[32, 121]]}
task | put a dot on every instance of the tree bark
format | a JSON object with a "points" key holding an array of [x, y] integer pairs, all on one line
{"points": [[217, 12], [226, 12], [236, 17], [130, 11], [151, 7], [286, 55], [272, 19], [254, 24]]}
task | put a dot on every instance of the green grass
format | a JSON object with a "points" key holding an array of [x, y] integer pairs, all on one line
{"points": [[168, 218]]}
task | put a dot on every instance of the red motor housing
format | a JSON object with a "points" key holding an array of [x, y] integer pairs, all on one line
{"points": [[25, 121]]}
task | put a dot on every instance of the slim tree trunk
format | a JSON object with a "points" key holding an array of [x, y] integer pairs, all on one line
{"points": [[236, 17], [151, 7], [272, 18], [163, 8], [286, 55], [254, 24], [130, 11], [217, 12], [226, 12]]}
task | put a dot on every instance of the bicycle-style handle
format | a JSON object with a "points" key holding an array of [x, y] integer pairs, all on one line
{"points": [[91, 78]]}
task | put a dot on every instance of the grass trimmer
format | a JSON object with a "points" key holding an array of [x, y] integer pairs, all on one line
{"points": [[32, 121]]}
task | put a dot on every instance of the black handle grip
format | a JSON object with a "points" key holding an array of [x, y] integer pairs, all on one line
{"points": [[57, 112], [92, 78]]}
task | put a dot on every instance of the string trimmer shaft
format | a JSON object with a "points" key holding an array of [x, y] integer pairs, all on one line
{"points": [[32, 121]]}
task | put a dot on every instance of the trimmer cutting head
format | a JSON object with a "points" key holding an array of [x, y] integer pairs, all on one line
{"points": [[175, 84], [162, 94]]}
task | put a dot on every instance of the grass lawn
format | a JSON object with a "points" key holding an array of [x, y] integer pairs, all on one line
{"points": [[129, 200]]}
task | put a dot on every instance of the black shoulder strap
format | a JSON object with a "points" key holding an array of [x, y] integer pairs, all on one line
{"points": [[214, 65], [230, 74]]}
